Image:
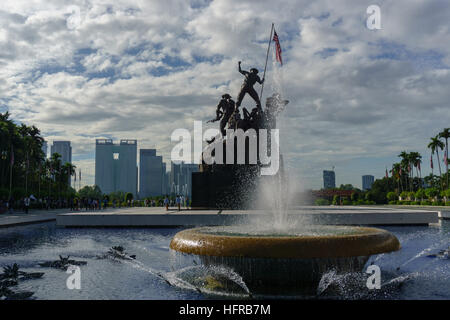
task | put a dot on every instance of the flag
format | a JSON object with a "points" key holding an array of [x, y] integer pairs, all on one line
{"points": [[431, 161], [79, 176], [418, 166], [277, 47], [75, 177], [387, 175], [445, 158]]}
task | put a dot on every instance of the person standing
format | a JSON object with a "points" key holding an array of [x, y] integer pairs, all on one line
{"points": [[178, 201], [166, 203], [26, 203]]}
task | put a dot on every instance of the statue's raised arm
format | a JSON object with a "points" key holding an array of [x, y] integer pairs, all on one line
{"points": [[240, 70]]}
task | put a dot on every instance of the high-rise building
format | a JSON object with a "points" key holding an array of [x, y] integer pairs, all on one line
{"points": [[150, 173], [64, 149], [116, 166], [180, 181], [165, 179], [45, 148], [329, 179], [367, 182]]}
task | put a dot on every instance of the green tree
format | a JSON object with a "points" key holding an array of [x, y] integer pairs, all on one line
{"points": [[336, 200], [92, 192], [128, 196], [435, 145], [355, 196], [405, 165], [445, 134], [420, 194], [404, 195], [432, 193], [416, 160], [392, 196], [24, 144], [396, 174]]}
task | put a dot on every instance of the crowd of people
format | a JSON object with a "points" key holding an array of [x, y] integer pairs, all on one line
{"points": [[24, 204], [179, 201]]}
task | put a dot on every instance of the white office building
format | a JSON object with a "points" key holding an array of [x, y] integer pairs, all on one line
{"points": [[116, 166]]}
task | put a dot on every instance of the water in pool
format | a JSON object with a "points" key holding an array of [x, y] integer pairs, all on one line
{"points": [[159, 273]]}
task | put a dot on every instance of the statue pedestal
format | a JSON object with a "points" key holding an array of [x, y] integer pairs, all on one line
{"points": [[225, 187]]}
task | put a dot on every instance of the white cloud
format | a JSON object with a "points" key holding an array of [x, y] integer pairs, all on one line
{"points": [[139, 69]]}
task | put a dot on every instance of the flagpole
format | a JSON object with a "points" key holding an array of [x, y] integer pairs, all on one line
{"points": [[267, 57]]}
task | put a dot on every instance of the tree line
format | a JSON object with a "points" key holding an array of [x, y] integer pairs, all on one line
{"points": [[24, 168]]}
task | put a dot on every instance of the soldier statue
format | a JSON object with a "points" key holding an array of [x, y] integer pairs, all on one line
{"points": [[247, 87], [224, 111]]}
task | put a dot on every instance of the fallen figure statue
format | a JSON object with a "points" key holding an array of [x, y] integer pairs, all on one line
{"points": [[118, 252], [62, 263], [12, 273], [10, 277]]}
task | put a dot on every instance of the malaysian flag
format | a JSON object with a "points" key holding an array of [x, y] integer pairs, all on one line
{"points": [[445, 158], [431, 161], [277, 47], [387, 175]]}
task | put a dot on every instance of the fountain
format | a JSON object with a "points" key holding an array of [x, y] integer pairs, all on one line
{"points": [[282, 259], [292, 261]]}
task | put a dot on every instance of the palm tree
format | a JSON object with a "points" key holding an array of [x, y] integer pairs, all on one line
{"points": [[435, 145], [445, 134], [395, 171], [68, 171], [416, 160], [405, 164]]}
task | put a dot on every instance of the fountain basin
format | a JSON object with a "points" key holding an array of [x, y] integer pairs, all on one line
{"points": [[293, 260]]}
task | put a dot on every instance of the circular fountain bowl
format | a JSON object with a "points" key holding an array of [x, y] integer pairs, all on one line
{"points": [[293, 260]]}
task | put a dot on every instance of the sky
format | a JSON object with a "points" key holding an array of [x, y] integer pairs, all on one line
{"points": [[135, 69]]}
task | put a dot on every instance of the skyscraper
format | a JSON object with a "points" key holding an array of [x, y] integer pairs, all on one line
{"points": [[329, 179], [45, 148], [367, 182], [116, 166], [165, 179], [150, 173], [64, 149]]}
